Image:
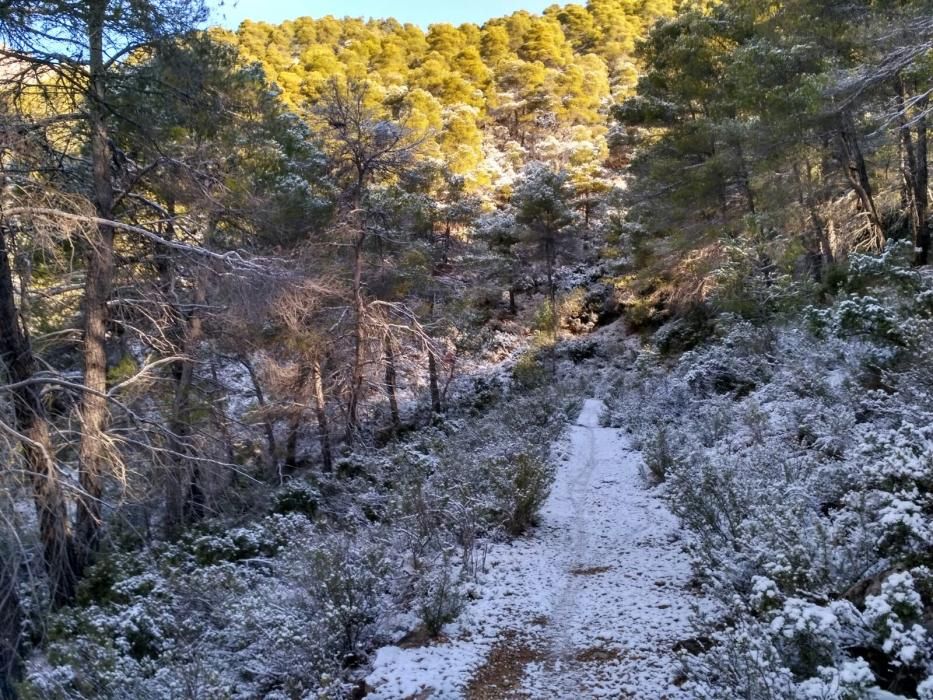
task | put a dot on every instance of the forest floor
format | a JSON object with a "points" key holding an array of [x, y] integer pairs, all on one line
{"points": [[591, 604]]}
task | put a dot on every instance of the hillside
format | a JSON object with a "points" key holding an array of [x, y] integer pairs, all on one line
{"points": [[487, 99], [575, 354]]}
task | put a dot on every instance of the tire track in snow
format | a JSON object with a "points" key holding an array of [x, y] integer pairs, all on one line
{"points": [[561, 651]]}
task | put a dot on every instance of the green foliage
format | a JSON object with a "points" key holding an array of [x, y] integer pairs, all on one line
{"points": [[521, 483], [227, 118], [764, 145], [658, 454], [544, 318], [125, 368], [441, 599], [513, 71], [297, 497], [542, 202], [529, 370], [579, 311]]}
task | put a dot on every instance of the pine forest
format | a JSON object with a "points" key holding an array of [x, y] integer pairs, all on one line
{"points": [[576, 354]]}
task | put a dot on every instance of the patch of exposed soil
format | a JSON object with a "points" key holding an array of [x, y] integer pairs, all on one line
{"points": [[422, 695], [501, 676], [597, 655], [590, 570], [420, 637]]}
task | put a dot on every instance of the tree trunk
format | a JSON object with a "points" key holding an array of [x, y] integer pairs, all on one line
{"points": [[857, 172], [186, 501], [320, 411], [290, 461], [446, 249], [914, 167], [450, 363], [359, 339], [266, 424], [908, 159], [11, 632], [823, 255], [922, 182], [744, 179], [513, 309], [433, 382], [97, 287], [220, 421], [550, 254], [32, 423], [391, 384]]}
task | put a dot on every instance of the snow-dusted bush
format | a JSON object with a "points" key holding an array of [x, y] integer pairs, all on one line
{"points": [[284, 619], [520, 483], [440, 597], [658, 454]]}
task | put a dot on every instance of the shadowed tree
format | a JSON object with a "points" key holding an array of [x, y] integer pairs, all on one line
{"points": [[542, 205], [365, 148], [71, 57]]}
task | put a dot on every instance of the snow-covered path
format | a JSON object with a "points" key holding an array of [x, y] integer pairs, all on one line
{"points": [[590, 605]]}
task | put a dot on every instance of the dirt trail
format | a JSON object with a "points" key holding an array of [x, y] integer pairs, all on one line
{"points": [[589, 606]]}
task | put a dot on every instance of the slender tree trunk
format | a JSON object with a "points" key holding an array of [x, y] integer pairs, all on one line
{"points": [[908, 159], [261, 401], [446, 249], [744, 179], [550, 254], [513, 308], [450, 363], [187, 503], [433, 382], [290, 462], [914, 167], [220, 420], [32, 423], [320, 411], [17, 365], [359, 340], [922, 183], [857, 172], [824, 228], [391, 378], [291, 443], [310, 379], [11, 631], [184, 493], [177, 440], [97, 287], [823, 255]]}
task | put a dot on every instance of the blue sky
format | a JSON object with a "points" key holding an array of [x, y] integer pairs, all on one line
{"points": [[230, 13]]}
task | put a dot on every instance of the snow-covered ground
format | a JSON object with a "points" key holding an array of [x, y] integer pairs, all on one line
{"points": [[590, 605]]}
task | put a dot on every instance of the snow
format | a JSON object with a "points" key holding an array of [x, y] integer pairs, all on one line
{"points": [[596, 597]]}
